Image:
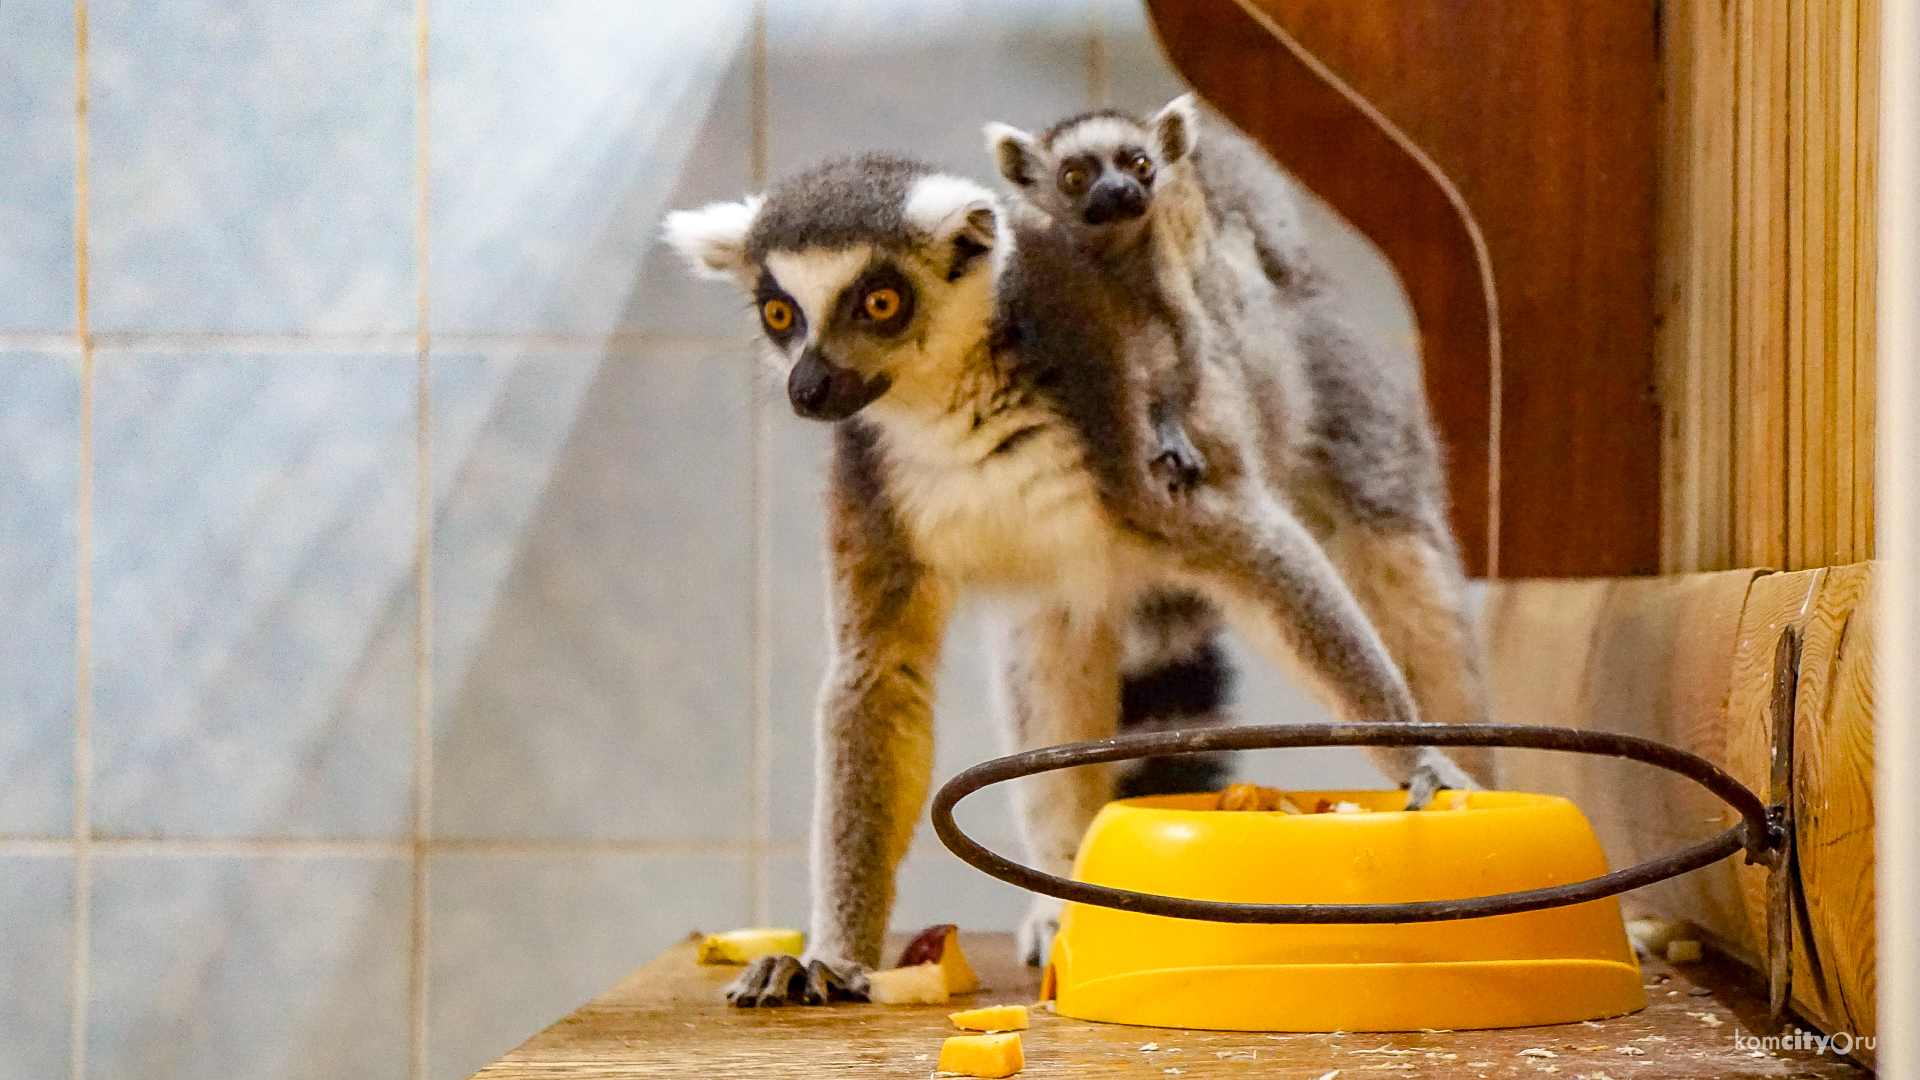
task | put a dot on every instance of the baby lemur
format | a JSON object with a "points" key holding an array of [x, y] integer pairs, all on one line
{"points": [[988, 438], [1159, 201], [1128, 189]]}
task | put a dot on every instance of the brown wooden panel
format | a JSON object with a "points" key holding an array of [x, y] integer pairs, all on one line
{"points": [[1542, 112]]}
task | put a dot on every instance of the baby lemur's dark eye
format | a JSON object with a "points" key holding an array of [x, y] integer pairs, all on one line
{"points": [[882, 304], [778, 313], [1073, 179], [1142, 167]]}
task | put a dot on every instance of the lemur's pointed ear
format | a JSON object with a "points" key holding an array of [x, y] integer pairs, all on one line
{"points": [[1015, 152], [713, 239], [954, 211], [1175, 126]]}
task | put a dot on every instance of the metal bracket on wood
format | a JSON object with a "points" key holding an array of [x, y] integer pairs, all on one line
{"points": [[1779, 858]]}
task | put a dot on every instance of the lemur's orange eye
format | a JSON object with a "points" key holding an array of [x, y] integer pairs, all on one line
{"points": [[882, 304], [778, 313], [1142, 166], [1073, 179]]}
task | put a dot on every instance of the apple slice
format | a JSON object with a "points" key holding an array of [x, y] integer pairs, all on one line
{"points": [[991, 1018], [941, 945], [746, 946], [920, 984]]}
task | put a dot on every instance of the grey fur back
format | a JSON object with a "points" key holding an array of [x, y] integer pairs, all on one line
{"points": [[1241, 178], [1371, 433]]}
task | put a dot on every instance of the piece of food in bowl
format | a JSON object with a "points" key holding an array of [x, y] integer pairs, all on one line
{"points": [[991, 1018], [919, 984], [746, 946], [983, 1055], [1255, 797], [941, 945]]}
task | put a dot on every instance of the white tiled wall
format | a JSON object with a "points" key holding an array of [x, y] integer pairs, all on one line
{"points": [[410, 607]]}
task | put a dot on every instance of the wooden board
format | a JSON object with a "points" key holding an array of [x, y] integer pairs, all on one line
{"points": [[667, 1020], [1833, 973], [1766, 282], [1644, 656], [1689, 660], [1775, 601]]}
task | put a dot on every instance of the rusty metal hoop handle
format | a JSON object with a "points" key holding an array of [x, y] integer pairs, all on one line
{"points": [[1761, 832]]}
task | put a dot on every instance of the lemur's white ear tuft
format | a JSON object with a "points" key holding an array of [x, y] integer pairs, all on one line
{"points": [[941, 207], [713, 239], [1016, 153], [1175, 126]]}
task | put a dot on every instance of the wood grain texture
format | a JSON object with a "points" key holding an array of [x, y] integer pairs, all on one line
{"points": [[1774, 601], [1542, 116], [1833, 955], [1694, 284], [667, 1020], [1766, 282], [1644, 656], [1689, 660]]}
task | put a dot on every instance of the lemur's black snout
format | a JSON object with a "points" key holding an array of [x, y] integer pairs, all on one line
{"points": [[819, 390], [1116, 197]]}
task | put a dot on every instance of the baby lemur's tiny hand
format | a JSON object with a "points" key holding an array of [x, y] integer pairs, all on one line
{"points": [[1177, 463], [779, 979]]}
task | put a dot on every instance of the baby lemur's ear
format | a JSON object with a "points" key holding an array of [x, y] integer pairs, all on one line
{"points": [[1175, 127], [954, 212], [713, 239], [1015, 152]]}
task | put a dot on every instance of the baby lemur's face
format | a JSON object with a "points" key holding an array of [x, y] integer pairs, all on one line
{"points": [[863, 274], [1094, 172]]}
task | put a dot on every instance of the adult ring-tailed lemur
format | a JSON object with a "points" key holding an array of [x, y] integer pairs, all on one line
{"points": [[991, 381]]}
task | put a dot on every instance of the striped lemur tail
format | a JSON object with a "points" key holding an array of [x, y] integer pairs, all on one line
{"points": [[1175, 675]]}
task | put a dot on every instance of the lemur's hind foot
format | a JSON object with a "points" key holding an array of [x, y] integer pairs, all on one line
{"points": [[780, 979], [1435, 771], [1176, 463], [1033, 939]]}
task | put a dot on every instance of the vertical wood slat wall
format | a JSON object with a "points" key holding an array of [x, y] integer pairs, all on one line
{"points": [[1765, 282]]}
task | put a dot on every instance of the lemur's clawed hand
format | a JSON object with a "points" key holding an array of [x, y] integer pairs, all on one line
{"points": [[780, 979], [1435, 772]]}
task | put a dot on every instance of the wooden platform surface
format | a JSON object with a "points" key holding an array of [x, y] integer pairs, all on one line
{"points": [[668, 1020]]}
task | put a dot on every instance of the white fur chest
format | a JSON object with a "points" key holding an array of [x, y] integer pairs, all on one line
{"points": [[1007, 506]]}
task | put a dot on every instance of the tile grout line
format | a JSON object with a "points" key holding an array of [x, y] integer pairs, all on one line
{"points": [[129, 846], [30, 341], [1099, 82], [760, 491], [418, 958], [304, 342], [81, 991]]}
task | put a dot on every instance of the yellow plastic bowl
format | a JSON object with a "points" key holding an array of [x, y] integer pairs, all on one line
{"points": [[1553, 966]]}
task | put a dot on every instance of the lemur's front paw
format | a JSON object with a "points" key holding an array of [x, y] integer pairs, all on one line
{"points": [[1033, 941], [1435, 772], [780, 979]]}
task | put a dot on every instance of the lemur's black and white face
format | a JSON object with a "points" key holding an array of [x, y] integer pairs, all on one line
{"points": [[1095, 171], [862, 273]]}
